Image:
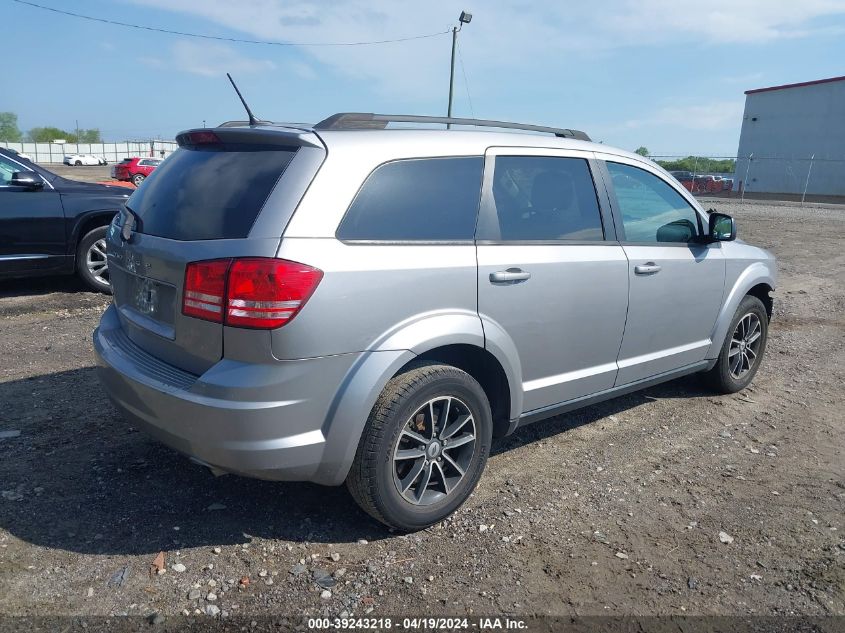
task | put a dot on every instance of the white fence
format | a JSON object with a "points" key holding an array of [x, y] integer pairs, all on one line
{"points": [[112, 152]]}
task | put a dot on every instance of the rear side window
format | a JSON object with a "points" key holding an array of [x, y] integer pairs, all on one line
{"points": [[209, 193], [545, 198], [428, 199]]}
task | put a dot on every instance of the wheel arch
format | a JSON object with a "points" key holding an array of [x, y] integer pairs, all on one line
{"points": [[460, 342], [757, 280]]}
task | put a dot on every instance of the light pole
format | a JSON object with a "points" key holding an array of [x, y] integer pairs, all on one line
{"points": [[465, 18]]}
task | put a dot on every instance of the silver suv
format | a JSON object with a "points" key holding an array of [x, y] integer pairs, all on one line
{"points": [[349, 303]]}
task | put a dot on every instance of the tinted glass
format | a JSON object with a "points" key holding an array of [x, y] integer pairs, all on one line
{"points": [[421, 199], [652, 211], [7, 168], [209, 193], [545, 198]]}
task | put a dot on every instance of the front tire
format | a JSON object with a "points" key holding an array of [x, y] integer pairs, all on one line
{"points": [[424, 447], [743, 349], [77, 163], [137, 179], [91, 263]]}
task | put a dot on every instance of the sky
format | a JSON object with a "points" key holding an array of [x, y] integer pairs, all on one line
{"points": [[665, 74]]}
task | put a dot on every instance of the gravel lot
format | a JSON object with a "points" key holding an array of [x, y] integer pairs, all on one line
{"points": [[616, 509]]}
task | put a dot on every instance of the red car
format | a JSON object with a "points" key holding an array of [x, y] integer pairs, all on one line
{"points": [[134, 170]]}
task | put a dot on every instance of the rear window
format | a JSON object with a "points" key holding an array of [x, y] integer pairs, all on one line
{"points": [[428, 199], [208, 193]]}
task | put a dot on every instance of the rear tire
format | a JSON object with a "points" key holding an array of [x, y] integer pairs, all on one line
{"points": [[91, 264], [137, 179], [399, 439], [743, 349]]}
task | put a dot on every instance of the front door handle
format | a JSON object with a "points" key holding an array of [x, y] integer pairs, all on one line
{"points": [[509, 276], [649, 268]]}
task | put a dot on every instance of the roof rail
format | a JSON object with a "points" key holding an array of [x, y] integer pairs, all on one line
{"points": [[370, 121]]}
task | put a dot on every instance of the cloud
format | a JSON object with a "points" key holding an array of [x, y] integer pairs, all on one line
{"points": [[208, 59], [514, 37], [703, 117]]}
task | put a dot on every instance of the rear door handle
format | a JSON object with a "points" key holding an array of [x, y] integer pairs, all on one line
{"points": [[649, 268], [511, 275]]}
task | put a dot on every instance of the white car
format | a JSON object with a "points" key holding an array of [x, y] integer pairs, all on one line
{"points": [[19, 154], [84, 159]]}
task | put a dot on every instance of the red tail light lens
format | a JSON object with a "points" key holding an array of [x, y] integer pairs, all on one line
{"points": [[256, 292], [205, 289]]}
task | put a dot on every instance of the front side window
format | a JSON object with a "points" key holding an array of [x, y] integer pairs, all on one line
{"points": [[652, 211], [7, 168], [543, 198], [426, 199]]}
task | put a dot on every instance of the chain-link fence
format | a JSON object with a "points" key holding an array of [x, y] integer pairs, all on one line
{"points": [[111, 152], [789, 177]]}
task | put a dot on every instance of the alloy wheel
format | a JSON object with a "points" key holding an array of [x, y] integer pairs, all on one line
{"points": [[434, 450], [97, 263], [745, 345]]}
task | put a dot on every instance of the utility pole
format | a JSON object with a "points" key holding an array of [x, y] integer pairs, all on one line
{"points": [[465, 18], [77, 135]]}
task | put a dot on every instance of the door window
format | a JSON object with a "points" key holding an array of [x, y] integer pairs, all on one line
{"points": [[7, 168], [544, 198], [652, 210]]}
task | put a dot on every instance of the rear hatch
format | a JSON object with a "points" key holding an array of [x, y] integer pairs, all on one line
{"points": [[225, 193]]}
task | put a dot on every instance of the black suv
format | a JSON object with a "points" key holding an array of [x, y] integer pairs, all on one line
{"points": [[52, 225]]}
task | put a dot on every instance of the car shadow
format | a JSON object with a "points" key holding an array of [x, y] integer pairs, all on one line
{"points": [[81, 479], [29, 286]]}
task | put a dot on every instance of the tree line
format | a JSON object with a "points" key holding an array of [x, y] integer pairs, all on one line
{"points": [[696, 164], [10, 132]]}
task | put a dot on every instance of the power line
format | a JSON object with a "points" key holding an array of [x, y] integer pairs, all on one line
{"points": [[225, 39], [466, 83]]}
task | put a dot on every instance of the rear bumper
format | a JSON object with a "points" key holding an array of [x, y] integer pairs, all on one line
{"points": [[260, 420]]}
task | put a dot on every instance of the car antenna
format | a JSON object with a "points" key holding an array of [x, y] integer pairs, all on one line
{"points": [[252, 119]]}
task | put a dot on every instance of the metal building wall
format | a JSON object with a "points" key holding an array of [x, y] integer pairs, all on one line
{"points": [[793, 133]]}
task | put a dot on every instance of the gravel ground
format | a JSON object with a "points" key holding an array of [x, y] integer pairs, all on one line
{"points": [[667, 502]]}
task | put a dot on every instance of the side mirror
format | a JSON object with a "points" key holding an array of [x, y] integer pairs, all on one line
{"points": [[722, 227], [27, 179]]}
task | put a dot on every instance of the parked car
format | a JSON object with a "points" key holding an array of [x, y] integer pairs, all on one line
{"points": [[727, 184], [18, 154], [368, 306], [135, 169], [685, 178], [84, 159], [52, 225]]}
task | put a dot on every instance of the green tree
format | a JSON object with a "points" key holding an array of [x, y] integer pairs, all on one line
{"points": [[49, 134], [642, 151], [90, 136], [9, 127], [700, 165]]}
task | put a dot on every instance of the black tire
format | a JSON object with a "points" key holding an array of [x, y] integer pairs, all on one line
{"points": [[77, 163], [720, 377], [137, 179], [88, 241], [371, 480]]}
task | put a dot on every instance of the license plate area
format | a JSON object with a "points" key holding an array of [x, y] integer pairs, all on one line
{"points": [[148, 303]]}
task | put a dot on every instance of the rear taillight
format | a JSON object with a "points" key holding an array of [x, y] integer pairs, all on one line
{"points": [[249, 292], [205, 289]]}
